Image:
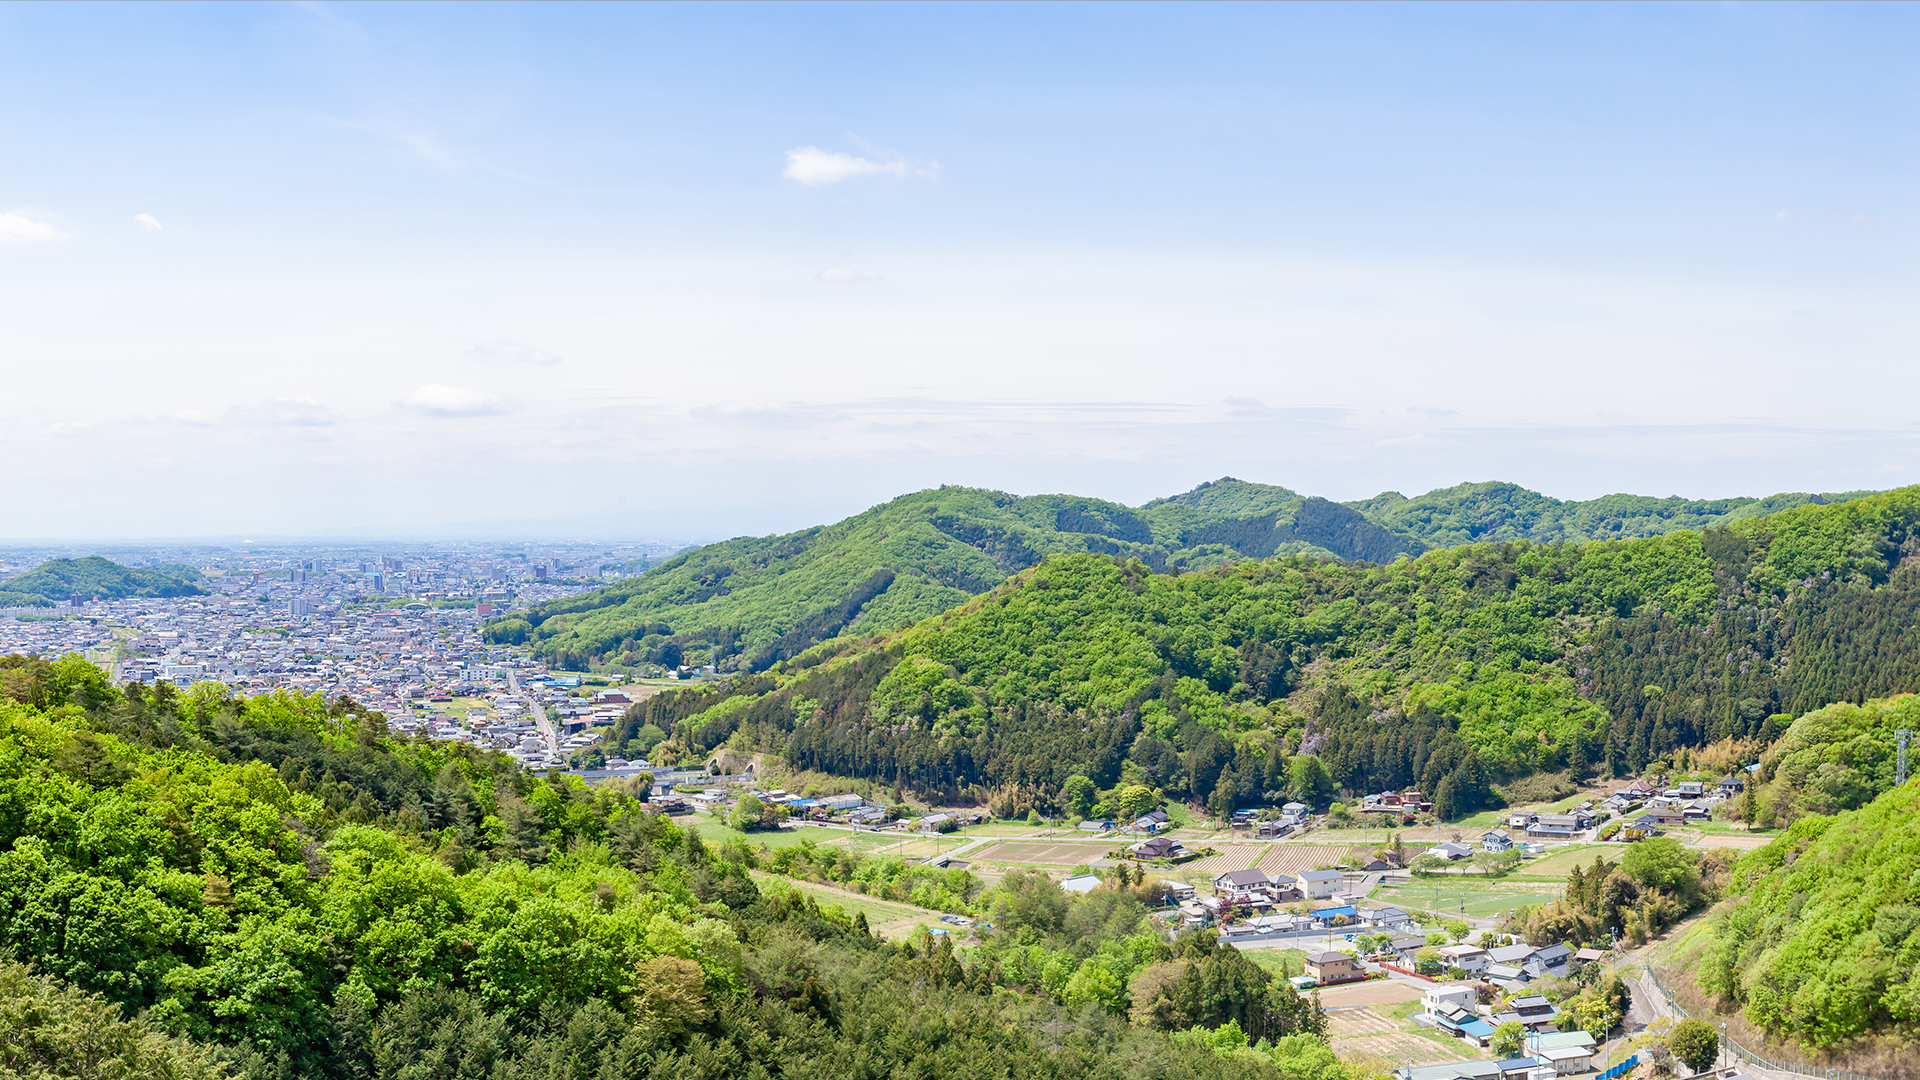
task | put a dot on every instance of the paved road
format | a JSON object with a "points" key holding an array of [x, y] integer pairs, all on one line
{"points": [[1649, 1004], [539, 714]]}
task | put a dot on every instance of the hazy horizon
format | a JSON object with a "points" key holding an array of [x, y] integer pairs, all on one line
{"points": [[699, 271], [545, 531]]}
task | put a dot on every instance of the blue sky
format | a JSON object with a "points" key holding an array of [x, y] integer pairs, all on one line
{"points": [[685, 271]]}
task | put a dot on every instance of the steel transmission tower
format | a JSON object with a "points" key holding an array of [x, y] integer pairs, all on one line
{"points": [[1900, 760]]}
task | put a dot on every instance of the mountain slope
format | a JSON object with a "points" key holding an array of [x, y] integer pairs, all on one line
{"points": [[1822, 944], [1450, 672], [57, 579], [750, 602], [282, 886], [1227, 519], [1472, 513], [754, 601]]}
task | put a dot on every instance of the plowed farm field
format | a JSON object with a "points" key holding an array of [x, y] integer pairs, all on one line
{"points": [[1273, 858], [1295, 858], [1362, 1034], [1044, 852]]}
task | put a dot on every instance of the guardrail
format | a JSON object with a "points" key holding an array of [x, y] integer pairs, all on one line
{"points": [[1745, 1054]]}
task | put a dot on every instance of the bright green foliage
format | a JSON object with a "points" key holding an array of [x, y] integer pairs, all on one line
{"points": [[1661, 863], [1449, 672], [309, 899], [1694, 1044], [57, 579], [1507, 1039], [1656, 884], [1477, 513], [1822, 943], [764, 599], [1833, 759]]}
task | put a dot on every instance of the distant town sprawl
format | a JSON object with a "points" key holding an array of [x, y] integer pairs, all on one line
{"points": [[396, 631]]}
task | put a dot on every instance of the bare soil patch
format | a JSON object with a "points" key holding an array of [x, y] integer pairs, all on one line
{"points": [[1047, 853], [1733, 840], [1378, 992]]}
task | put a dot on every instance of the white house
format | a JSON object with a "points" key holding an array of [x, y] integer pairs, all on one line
{"points": [[1471, 958], [1239, 883], [1321, 884], [1446, 998]]}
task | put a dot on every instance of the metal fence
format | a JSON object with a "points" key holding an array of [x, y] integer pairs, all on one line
{"points": [[1745, 1054]]}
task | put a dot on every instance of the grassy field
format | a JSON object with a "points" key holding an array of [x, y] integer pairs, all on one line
{"points": [[1556, 864], [714, 832], [1481, 898], [1283, 963], [1734, 827], [885, 917]]}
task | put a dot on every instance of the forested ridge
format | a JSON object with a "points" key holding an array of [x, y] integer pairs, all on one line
{"points": [[1453, 671], [1493, 511], [751, 602], [57, 579], [197, 886]]}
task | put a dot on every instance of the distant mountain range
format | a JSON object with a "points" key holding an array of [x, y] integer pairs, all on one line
{"points": [[760, 600], [57, 580]]}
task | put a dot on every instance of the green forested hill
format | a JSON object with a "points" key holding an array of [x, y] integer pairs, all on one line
{"points": [[1472, 513], [1452, 671], [750, 602], [276, 889], [55, 580], [759, 600], [1821, 943]]}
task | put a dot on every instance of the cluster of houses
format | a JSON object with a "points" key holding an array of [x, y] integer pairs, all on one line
{"points": [[1292, 816], [1258, 895], [1151, 822], [844, 807], [1687, 802], [1548, 1051], [1403, 803]]}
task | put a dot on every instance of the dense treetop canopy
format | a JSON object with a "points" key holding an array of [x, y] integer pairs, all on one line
{"points": [[753, 601]]}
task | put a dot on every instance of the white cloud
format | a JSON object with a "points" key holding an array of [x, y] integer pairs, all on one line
{"points": [[840, 275], [16, 228], [437, 400], [147, 222], [279, 412], [813, 166], [511, 352]]}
